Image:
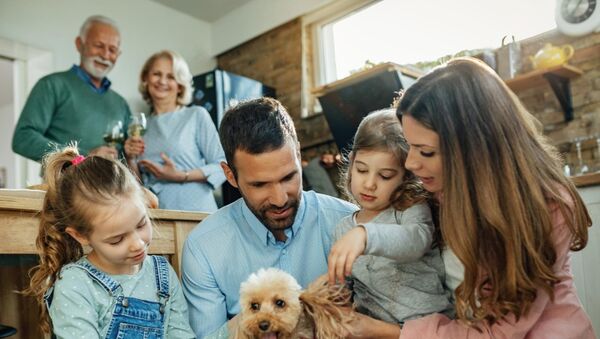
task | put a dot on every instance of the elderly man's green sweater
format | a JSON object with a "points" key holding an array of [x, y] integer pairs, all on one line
{"points": [[63, 108]]}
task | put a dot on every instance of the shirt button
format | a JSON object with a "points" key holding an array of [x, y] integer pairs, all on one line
{"points": [[284, 252]]}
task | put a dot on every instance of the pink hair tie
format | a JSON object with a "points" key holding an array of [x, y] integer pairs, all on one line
{"points": [[77, 160]]}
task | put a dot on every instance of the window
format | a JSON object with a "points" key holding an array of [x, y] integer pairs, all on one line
{"points": [[319, 61], [407, 32]]}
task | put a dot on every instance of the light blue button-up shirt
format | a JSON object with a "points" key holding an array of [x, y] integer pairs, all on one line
{"points": [[232, 243]]}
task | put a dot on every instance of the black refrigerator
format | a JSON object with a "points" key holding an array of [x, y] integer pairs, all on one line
{"points": [[217, 91]]}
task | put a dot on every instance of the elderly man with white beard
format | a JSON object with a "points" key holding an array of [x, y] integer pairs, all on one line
{"points": [[76, 104]]}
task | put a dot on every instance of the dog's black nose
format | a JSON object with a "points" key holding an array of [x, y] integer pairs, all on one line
{"points": [[264, 325]]}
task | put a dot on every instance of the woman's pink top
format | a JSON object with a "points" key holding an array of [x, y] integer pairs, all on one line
{"points": [[563, 318]]}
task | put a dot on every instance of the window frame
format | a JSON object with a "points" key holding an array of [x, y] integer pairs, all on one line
{"points": [[318, 55]]}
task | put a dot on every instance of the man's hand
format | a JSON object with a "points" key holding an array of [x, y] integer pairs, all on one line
{"points": [[105, 152], [344, 252], [167, 172]]}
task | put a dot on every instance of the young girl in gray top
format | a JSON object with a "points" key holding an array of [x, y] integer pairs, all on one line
{"points": [[116, 290], [401, 280]]}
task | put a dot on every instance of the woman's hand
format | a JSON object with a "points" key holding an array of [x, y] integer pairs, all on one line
{"points": [[134, 146], [344, 252], [167, 172], [363, 327]]}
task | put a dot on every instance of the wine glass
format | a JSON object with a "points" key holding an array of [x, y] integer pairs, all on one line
{"points": [[583, 168], [137, 126], [597, 136], [568, 169], [113, 134]]}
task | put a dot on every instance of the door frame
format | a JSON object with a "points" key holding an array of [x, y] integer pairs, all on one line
{"points": [[30, 64]]}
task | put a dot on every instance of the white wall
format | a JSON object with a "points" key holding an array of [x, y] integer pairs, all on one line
{"points": [[7, 118], [146, 27], [257, 17]]}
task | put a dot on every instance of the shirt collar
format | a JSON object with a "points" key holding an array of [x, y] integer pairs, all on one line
{"points": [[263, 233], [83, 75]]}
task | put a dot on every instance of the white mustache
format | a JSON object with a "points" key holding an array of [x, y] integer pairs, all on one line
{"points": [[106, 63]]}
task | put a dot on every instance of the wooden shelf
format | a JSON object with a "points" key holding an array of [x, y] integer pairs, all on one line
{"points": [[558, 77], [366, 73], [536, 78]]}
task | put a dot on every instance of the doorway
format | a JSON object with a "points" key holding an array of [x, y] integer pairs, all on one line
{"points": [[7, 121], [21, 66]]}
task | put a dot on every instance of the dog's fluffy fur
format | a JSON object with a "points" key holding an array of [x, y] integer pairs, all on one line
{"points": [[274, 306]]}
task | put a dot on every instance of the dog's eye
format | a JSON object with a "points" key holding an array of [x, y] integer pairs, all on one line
{"points": [[280, 303], [255, 306]]}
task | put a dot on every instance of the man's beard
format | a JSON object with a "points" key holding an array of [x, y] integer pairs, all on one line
{"points": [[90, 67], [276, 224]]}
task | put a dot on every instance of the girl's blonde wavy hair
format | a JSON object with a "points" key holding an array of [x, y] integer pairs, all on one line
{"points": [[73, 193]]}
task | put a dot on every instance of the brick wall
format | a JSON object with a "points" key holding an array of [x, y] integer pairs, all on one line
{"points": [[585, 91], [275, 58]]}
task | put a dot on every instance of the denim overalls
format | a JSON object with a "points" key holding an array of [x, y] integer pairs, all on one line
{"points": [[132, 318]]}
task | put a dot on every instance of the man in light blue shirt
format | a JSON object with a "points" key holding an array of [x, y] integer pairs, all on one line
{"points": [[275, 224]]}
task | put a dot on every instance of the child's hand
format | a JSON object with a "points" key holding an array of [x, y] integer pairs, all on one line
{"points": [[344, 252]]}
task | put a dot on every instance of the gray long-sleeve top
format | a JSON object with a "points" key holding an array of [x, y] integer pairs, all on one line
{"points": [[400, 276]]}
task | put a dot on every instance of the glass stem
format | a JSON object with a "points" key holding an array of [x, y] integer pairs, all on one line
{"points": [[579, 157]]}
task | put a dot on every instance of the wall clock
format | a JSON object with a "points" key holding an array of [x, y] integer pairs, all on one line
{"points": [[578, 17]]}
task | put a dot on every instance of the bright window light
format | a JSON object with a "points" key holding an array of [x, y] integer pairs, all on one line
{"points": [[411, 31]]}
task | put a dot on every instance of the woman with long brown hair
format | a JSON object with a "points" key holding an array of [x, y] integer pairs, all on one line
{"points": [[508, 215]]}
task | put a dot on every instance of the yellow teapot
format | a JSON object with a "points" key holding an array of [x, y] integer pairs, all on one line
{"points": [[551, 56]]}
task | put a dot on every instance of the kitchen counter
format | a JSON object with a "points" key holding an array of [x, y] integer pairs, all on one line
{"points": [[19, 223], [584, 180]]}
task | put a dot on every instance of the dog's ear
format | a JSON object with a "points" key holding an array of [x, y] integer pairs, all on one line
{"points": [[235, 329], [239, 334], [329, 307]]}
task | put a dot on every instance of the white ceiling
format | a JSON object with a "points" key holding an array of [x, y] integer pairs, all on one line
{"points": [[206, 10]]}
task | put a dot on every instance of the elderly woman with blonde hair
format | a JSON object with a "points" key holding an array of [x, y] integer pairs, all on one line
{"points": [[179, 156]]}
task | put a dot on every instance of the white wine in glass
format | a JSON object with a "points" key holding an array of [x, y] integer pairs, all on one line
{"points": [[113, 135], [137, 125]]}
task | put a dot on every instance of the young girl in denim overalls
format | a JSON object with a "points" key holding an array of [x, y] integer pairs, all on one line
{"points": [[116, 290]]}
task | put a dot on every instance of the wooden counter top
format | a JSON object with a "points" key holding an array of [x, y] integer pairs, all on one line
{"points": [[32, 200], [589, 179], [19, 224]]}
